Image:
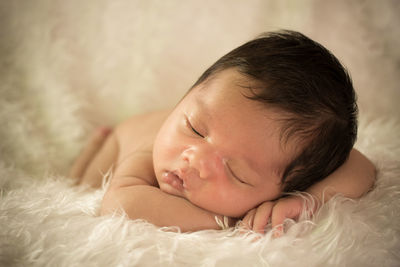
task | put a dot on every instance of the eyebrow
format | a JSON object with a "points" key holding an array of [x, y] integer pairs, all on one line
{"points": [[203, 107]]}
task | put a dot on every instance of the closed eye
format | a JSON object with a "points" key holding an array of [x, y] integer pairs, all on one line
{"points": [[190, 126], [235, 176]]}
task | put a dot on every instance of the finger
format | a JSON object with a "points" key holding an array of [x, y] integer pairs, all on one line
{"points": [[277, 231], [289, 208], [94, 144], [278, 215], [262, 216], [248, 220], [277, 218]]}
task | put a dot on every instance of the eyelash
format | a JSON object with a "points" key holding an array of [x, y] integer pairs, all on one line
{"points": [[233, 174], [190, 126]]}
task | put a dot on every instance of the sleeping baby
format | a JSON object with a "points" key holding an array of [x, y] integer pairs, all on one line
{"points": [[273, 116]]}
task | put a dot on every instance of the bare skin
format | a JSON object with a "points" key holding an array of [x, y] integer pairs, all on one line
{"points": [[130, 144], [191, 182], [108, 149], [96, 159]]}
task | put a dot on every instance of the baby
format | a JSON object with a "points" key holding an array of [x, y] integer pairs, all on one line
{"points": [[273, 116]]}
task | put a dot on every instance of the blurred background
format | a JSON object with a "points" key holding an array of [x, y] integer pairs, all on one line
{"points": [[135, 55], [64, 64]]}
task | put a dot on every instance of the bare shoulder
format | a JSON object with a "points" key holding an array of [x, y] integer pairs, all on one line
{"points": [[135, 138], [139, 131]]}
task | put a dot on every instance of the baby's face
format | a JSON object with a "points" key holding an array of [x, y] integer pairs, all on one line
{"points": [[220, 150]]}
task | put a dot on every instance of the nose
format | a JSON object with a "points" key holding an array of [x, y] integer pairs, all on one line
{"points": [[206, 161]]}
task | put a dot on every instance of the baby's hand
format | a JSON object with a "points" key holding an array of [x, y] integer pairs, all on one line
{"points": [[276, 211]]}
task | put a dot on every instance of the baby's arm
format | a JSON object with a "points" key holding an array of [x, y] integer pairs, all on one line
{"points": [[140, 198], [353, 179]]}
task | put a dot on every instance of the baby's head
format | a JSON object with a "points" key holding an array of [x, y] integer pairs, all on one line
{"points": [[304, 81], [275, 115]]}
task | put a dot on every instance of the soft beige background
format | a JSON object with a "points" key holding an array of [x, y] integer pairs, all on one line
{"points": [[121, 57]]}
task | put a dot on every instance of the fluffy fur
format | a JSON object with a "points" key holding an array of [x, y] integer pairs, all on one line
{"points": [[52, 223], [71, 65]]}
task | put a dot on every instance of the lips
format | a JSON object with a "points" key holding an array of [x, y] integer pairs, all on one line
{"points": [[174, 180]]}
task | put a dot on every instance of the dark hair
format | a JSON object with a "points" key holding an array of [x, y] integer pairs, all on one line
{"points": [[302, 78]]}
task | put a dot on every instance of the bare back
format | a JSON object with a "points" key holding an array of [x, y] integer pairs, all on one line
{"points": [[135, 138], [127, 151]]}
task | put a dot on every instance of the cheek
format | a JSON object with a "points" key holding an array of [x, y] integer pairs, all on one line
{"points": [[166, 146], [237, 200], [228, 197]]}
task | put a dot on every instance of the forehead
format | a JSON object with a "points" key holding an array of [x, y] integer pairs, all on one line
{"points": [[242, 128]]}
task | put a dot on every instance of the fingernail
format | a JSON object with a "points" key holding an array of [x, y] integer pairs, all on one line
{"points": [[278, 231]]}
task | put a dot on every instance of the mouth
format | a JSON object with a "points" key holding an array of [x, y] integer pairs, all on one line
{"points": [[174, 180]]}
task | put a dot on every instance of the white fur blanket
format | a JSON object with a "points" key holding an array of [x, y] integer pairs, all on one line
{"points": [[51, 223], [67, 66]]}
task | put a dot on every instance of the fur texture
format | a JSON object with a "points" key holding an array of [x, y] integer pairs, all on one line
{"points": [[67, 66], [48, 222]]}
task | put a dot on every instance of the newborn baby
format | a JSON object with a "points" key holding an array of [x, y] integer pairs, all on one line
{"points": [[275, 115]]}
